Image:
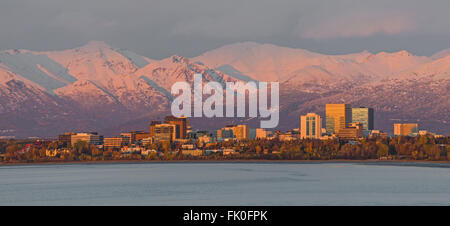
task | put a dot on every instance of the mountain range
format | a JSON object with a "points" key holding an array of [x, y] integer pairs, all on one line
{"points": [[97, 87]]}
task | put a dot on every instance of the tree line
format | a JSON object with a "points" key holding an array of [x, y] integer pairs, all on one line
{"points": [[408, 148]]}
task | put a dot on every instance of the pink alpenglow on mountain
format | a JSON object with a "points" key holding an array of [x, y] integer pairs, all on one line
{"points": [[106, 89]]}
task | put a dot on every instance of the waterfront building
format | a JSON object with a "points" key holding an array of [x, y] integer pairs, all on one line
{"points": [[310, 126], [338, 116]]}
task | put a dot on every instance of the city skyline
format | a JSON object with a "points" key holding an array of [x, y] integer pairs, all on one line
{"points": [[359, 125], [165, 141], [238, 103]]}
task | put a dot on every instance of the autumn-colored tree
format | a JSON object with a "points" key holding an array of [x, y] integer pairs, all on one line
{"points": [[383, 150]]}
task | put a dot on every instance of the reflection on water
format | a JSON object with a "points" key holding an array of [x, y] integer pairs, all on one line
{"points": [[226, 184]]}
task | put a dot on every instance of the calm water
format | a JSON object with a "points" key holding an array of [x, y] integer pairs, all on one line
{"points": [[225, 184]]}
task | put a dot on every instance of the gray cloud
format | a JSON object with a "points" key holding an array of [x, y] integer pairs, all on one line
{"points": [[160, 28]]}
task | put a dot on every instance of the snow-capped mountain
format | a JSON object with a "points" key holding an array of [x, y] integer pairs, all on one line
{"points": [[267, 62], [106, 89], [93, 87]]}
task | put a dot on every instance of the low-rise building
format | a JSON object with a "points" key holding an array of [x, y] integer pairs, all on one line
{"points": [[113, 142], [377, 133], [286, 137], [128, 138], [147, 141], [405, 129], [188, 146], [353, 131], [262, 133], [195, 152], [205, 139], [289, 136], [229, 151], [212, 151], [90, 138], [131, 149], [238, 132], [55, 152], [139, 135], [424, 133], [51, 153], [134, 136], [148, 152], [66, 138]]}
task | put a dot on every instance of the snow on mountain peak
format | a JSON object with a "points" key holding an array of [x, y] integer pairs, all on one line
{"points": [[401, 53], [95, 61]]}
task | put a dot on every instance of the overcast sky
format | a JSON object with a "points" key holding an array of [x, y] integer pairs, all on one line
{"points": [[160, 28]]}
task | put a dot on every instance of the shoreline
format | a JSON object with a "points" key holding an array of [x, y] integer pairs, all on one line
{"points": [[375, 161]]}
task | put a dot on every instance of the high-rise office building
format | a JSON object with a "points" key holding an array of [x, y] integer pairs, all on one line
{"points": [[338, 116], [364, 116], [241, 132], [310, 126], [405, 129], [180, 126]]}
